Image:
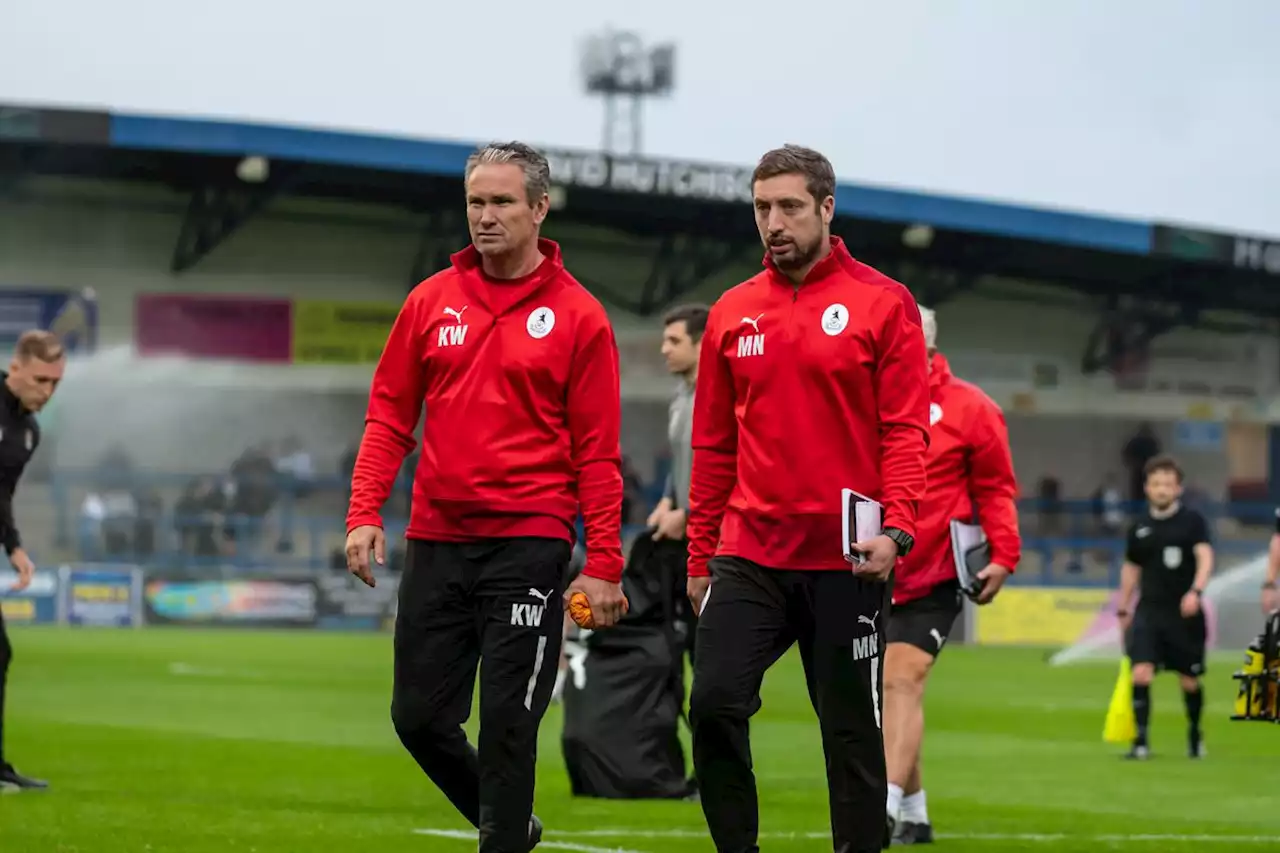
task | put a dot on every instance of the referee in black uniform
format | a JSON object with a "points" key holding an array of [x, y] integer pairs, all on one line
{"points": [[1168, 560], [34, 373]]}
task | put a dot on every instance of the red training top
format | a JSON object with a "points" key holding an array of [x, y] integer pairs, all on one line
{"points": [[969, 464], [523, 411], [804, 391]]}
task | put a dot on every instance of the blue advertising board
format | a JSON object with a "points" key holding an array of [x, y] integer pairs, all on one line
{"points": [[259, 600], [35, 605], [73, 315], [102, 597], [1199, 435]]}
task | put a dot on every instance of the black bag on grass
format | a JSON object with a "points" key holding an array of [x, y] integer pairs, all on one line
{"points": [[624, 691]]}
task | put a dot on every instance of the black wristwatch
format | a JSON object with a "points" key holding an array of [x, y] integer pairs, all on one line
{"points": [[1199, 592], [903, 539], [1268, 584]]}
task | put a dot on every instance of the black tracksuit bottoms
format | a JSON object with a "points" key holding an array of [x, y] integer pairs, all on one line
{"points": [[751, 617], [497, 601], [6, 655]]}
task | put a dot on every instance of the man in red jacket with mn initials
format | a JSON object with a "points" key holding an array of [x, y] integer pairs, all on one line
{"points": [[812, 379], [518, 368], [969, 466]]}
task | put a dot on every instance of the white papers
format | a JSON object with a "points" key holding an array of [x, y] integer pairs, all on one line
{"points": [[972, 553], [861, 520]]}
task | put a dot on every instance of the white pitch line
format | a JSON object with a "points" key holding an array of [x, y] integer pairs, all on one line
{"points": [[620, 832], [186, 669], [470, 835]]}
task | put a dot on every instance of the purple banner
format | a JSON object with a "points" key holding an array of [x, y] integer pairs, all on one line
{"points": [[241, 328]]}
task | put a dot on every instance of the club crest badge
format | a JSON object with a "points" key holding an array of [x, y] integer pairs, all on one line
{"points": [[835, 319], [540, 323]]}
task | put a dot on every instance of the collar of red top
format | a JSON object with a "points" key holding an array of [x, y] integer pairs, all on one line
{"points": [[468, 260], [836, 260], [939, 371], [506, 295]]}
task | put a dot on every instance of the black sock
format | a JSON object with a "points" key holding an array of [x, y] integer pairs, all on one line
{"points": [[4, 666], [1195, 704], [1142, 711]]}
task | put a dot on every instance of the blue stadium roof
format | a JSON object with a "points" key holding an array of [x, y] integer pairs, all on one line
{"points": [[400, 154], [448, 158]]}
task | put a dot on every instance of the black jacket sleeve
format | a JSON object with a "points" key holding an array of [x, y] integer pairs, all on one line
{"points": [[9, 537]]}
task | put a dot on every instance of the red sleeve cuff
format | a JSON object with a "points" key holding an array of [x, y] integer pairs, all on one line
{"points": [[906, 526], [603, 568], [355, 521], [1008, 558]]}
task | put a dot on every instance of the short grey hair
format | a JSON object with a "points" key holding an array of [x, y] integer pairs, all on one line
{"points": [[929, 324], [537, 171]]}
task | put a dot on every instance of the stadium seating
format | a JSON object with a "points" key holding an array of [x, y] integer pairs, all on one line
{"points": [[307, 533]]}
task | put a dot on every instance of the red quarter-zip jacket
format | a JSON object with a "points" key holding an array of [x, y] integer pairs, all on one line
{"points": [[804, 391], [969, 466], [523, 411]]}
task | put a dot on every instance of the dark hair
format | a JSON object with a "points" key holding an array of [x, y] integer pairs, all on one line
{"points": [[693, 315], [1162, 463], [819, 175]]}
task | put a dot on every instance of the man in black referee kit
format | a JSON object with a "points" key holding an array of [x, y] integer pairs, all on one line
{"points": [[34, 374], [1168, 560]]}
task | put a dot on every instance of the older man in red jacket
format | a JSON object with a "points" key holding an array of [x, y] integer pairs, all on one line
{"points": [[516, 366], [969, 468]]}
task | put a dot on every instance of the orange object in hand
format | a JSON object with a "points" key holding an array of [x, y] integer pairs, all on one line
{"points": [[580, 610]]}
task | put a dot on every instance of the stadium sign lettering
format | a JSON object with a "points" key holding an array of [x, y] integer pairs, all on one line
{"points": [[651, 177], [100, 592], [1257, 255]]}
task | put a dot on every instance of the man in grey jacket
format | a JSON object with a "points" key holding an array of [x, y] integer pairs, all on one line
{"points": [[681, 340]]}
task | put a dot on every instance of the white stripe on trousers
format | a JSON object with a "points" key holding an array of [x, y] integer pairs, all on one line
{"points": [[538, 660]]}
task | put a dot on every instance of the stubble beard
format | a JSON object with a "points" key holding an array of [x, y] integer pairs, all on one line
{"points": [[800, 257]]}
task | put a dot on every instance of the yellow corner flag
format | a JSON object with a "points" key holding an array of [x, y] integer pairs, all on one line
{"points": [[1120, 726]]}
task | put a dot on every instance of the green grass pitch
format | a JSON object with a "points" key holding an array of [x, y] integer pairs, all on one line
{"points": [[187, 741]]}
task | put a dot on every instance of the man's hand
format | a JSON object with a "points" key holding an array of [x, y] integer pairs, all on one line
{"points": [[671, 525], [608, 604], [696, 589], [882, 556], [992, 577], [366, 540], [1125, 622], [1190, 605], [24, 567], [1270, 601], [655, 517]]}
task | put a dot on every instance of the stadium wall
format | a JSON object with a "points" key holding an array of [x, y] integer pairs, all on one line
{"points": [[124, 596], [118, 239]]}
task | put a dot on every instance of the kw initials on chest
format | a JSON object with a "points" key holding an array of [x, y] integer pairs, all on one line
{"points": [[454, 335]]}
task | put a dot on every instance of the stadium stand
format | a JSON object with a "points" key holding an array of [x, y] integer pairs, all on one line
{"points": [[327, 230]]}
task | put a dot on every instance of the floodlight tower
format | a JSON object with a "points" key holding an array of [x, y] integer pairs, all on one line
{"points": [[619, 67]]}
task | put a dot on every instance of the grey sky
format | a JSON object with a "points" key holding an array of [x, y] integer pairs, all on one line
{"points": [[1156, 109]]}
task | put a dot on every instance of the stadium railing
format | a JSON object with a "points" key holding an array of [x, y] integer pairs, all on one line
{"points": [[1065, 543]]}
